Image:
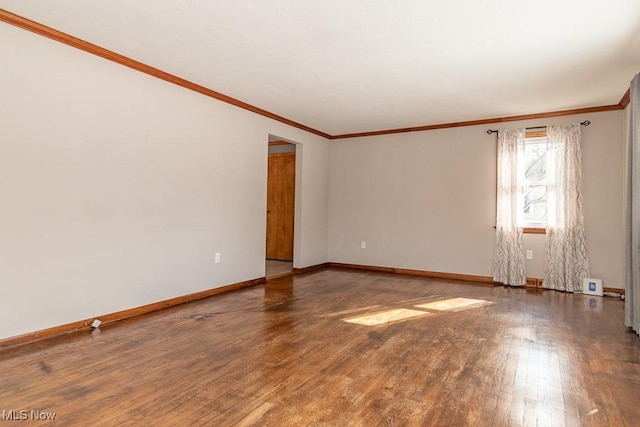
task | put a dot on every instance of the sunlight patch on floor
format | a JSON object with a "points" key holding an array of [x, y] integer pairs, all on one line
{"points": [[388, 316], [454, 304], [352, 311]]}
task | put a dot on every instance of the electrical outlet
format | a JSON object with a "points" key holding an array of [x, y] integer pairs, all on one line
{"points": [[529, 254], [217, 258], [363, 244]]}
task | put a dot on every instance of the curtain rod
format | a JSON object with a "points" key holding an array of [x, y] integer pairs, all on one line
{"points": [[585, 123]]}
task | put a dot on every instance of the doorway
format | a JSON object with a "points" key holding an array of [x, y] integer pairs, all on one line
{"points": [[281, 178]]}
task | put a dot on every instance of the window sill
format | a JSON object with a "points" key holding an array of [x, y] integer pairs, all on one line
{"points": [[534, 230]]}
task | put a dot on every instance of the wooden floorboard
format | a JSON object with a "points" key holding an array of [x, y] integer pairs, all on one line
{"points": [[282, 354]]}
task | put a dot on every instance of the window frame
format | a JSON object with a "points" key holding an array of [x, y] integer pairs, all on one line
{"points": [[525, 230]]}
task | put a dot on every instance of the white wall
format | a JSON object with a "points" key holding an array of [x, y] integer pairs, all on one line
{"points": [[426, 200], [116, 188]]}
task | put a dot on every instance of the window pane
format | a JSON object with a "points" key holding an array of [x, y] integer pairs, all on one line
{"points": [[535, 162], [535, 205], [535, 189]]}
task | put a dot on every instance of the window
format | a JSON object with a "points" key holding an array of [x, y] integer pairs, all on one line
{"points": [[524, 159], [533, 171]]}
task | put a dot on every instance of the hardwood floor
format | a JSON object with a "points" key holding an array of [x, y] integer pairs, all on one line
{"points": [[284, 354]]}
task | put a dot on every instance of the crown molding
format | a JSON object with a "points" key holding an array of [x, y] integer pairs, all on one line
{"points": [[625, 100], [59, 36], [482, 121]]}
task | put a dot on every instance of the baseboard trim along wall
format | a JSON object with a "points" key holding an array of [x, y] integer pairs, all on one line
{"points": [[532, 282], [302, 270], [422, 273], [280, 275], [310, 268], [125, 314], [138, 311]]}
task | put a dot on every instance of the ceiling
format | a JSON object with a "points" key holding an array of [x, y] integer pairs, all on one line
{"points": [[348, 66]]}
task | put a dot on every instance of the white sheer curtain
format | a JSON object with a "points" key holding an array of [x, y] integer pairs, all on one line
{"points": [[509, 267], [566, 262], [632, 281]]}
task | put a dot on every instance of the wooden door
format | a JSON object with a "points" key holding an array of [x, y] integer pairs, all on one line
{"points": [[280, 205]]}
